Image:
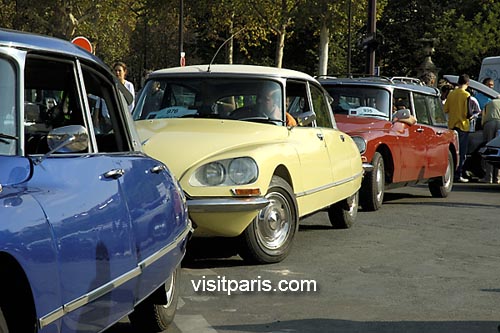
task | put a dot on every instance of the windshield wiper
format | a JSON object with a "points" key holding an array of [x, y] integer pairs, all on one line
{"points": [[6, 136]]}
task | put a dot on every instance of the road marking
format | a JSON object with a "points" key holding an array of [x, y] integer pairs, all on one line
{"points": [[192, 324], [198, 272], [180, 303], [284, 272]]}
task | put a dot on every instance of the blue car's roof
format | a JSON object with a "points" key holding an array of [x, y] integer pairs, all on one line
{"points": [[44, 44]]}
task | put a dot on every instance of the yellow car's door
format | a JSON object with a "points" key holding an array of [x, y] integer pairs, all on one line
{"points": [[315, 168], [343, 156]]}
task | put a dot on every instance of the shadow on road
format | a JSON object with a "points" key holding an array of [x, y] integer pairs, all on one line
{"points": [[212, 252], [320, 325], [476, 187], [393, 198], [121, 328], [310, 227]]}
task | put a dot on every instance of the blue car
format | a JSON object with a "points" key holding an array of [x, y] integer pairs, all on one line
{"points": [[91, 228]]}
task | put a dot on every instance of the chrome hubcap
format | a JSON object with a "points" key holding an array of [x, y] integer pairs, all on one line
{"points": [[353, 205], [379, 178], [273, 223], [170, 288], [447, 176]]}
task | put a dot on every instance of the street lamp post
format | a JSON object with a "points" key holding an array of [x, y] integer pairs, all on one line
{"points": [[182, 54], [349, 35], [372, 29]]}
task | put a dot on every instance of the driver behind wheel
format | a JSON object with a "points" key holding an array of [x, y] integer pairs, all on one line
{"points": [[269, 102]]}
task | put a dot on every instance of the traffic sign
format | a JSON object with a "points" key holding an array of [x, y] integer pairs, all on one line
{"points": [[83, 42]]}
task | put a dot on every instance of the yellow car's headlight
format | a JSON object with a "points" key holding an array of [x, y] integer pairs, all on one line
{"points": [[212, 174], [234, 171]]}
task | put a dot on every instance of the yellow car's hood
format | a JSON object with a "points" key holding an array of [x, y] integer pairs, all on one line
{"points": [[184, 143]]}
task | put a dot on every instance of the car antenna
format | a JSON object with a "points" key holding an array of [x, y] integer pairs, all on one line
{"points": [[220, 47]]}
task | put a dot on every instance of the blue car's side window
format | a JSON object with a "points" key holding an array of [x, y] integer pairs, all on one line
{"points": [[8, 113], [50, 101], [109, 126]]}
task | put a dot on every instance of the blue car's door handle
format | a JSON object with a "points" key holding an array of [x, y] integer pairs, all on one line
{"points": [[157, 169], [115, 173]]}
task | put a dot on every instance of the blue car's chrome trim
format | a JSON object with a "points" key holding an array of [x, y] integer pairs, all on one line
{"points": [[166, 249], [326, 187], [214, 205], [101, 291], [108, 287]]}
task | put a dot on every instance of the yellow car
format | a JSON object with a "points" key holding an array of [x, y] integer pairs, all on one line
{"points": [[254, 148]]}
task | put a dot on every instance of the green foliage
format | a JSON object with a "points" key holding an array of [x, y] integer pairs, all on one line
{"points": [[473, 37], [144, 33], [465, 32], [7, 12]]}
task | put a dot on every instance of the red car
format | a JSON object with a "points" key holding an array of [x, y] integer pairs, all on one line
{"points": [[409, 147]]}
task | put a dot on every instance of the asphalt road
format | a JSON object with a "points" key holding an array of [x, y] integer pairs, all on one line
{"points": [[419, 264]]}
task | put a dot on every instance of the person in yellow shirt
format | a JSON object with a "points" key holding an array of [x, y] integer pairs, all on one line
{"points": [[457, 108]]}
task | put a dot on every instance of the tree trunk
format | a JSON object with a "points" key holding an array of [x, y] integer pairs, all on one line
{"points": [[230, 48], [280, 46], [324, 38]]}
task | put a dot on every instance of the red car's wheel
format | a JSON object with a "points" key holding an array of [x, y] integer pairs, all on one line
{"points": [[373, 186], [441, 187]]}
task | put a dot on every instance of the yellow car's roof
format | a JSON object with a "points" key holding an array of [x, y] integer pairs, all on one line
{"points": [[233, 70]]}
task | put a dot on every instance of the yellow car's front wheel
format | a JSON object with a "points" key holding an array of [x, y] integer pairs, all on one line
{"points": [[268, 239]]}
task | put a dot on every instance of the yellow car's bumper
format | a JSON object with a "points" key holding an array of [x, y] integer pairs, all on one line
{"points": [[227, 217]]}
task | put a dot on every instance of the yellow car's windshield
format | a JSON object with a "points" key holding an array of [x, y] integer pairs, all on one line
{"points": [[221, 98]]}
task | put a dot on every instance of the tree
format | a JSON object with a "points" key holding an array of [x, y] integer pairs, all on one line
{"points": [[278, 16], [403, 25], [321, 33], [143, 33], [467, 34], [215, 23], [154, 39]]}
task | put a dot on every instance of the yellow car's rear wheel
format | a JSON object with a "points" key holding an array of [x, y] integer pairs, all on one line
{"points": [[268, 238], [343, 214]]}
